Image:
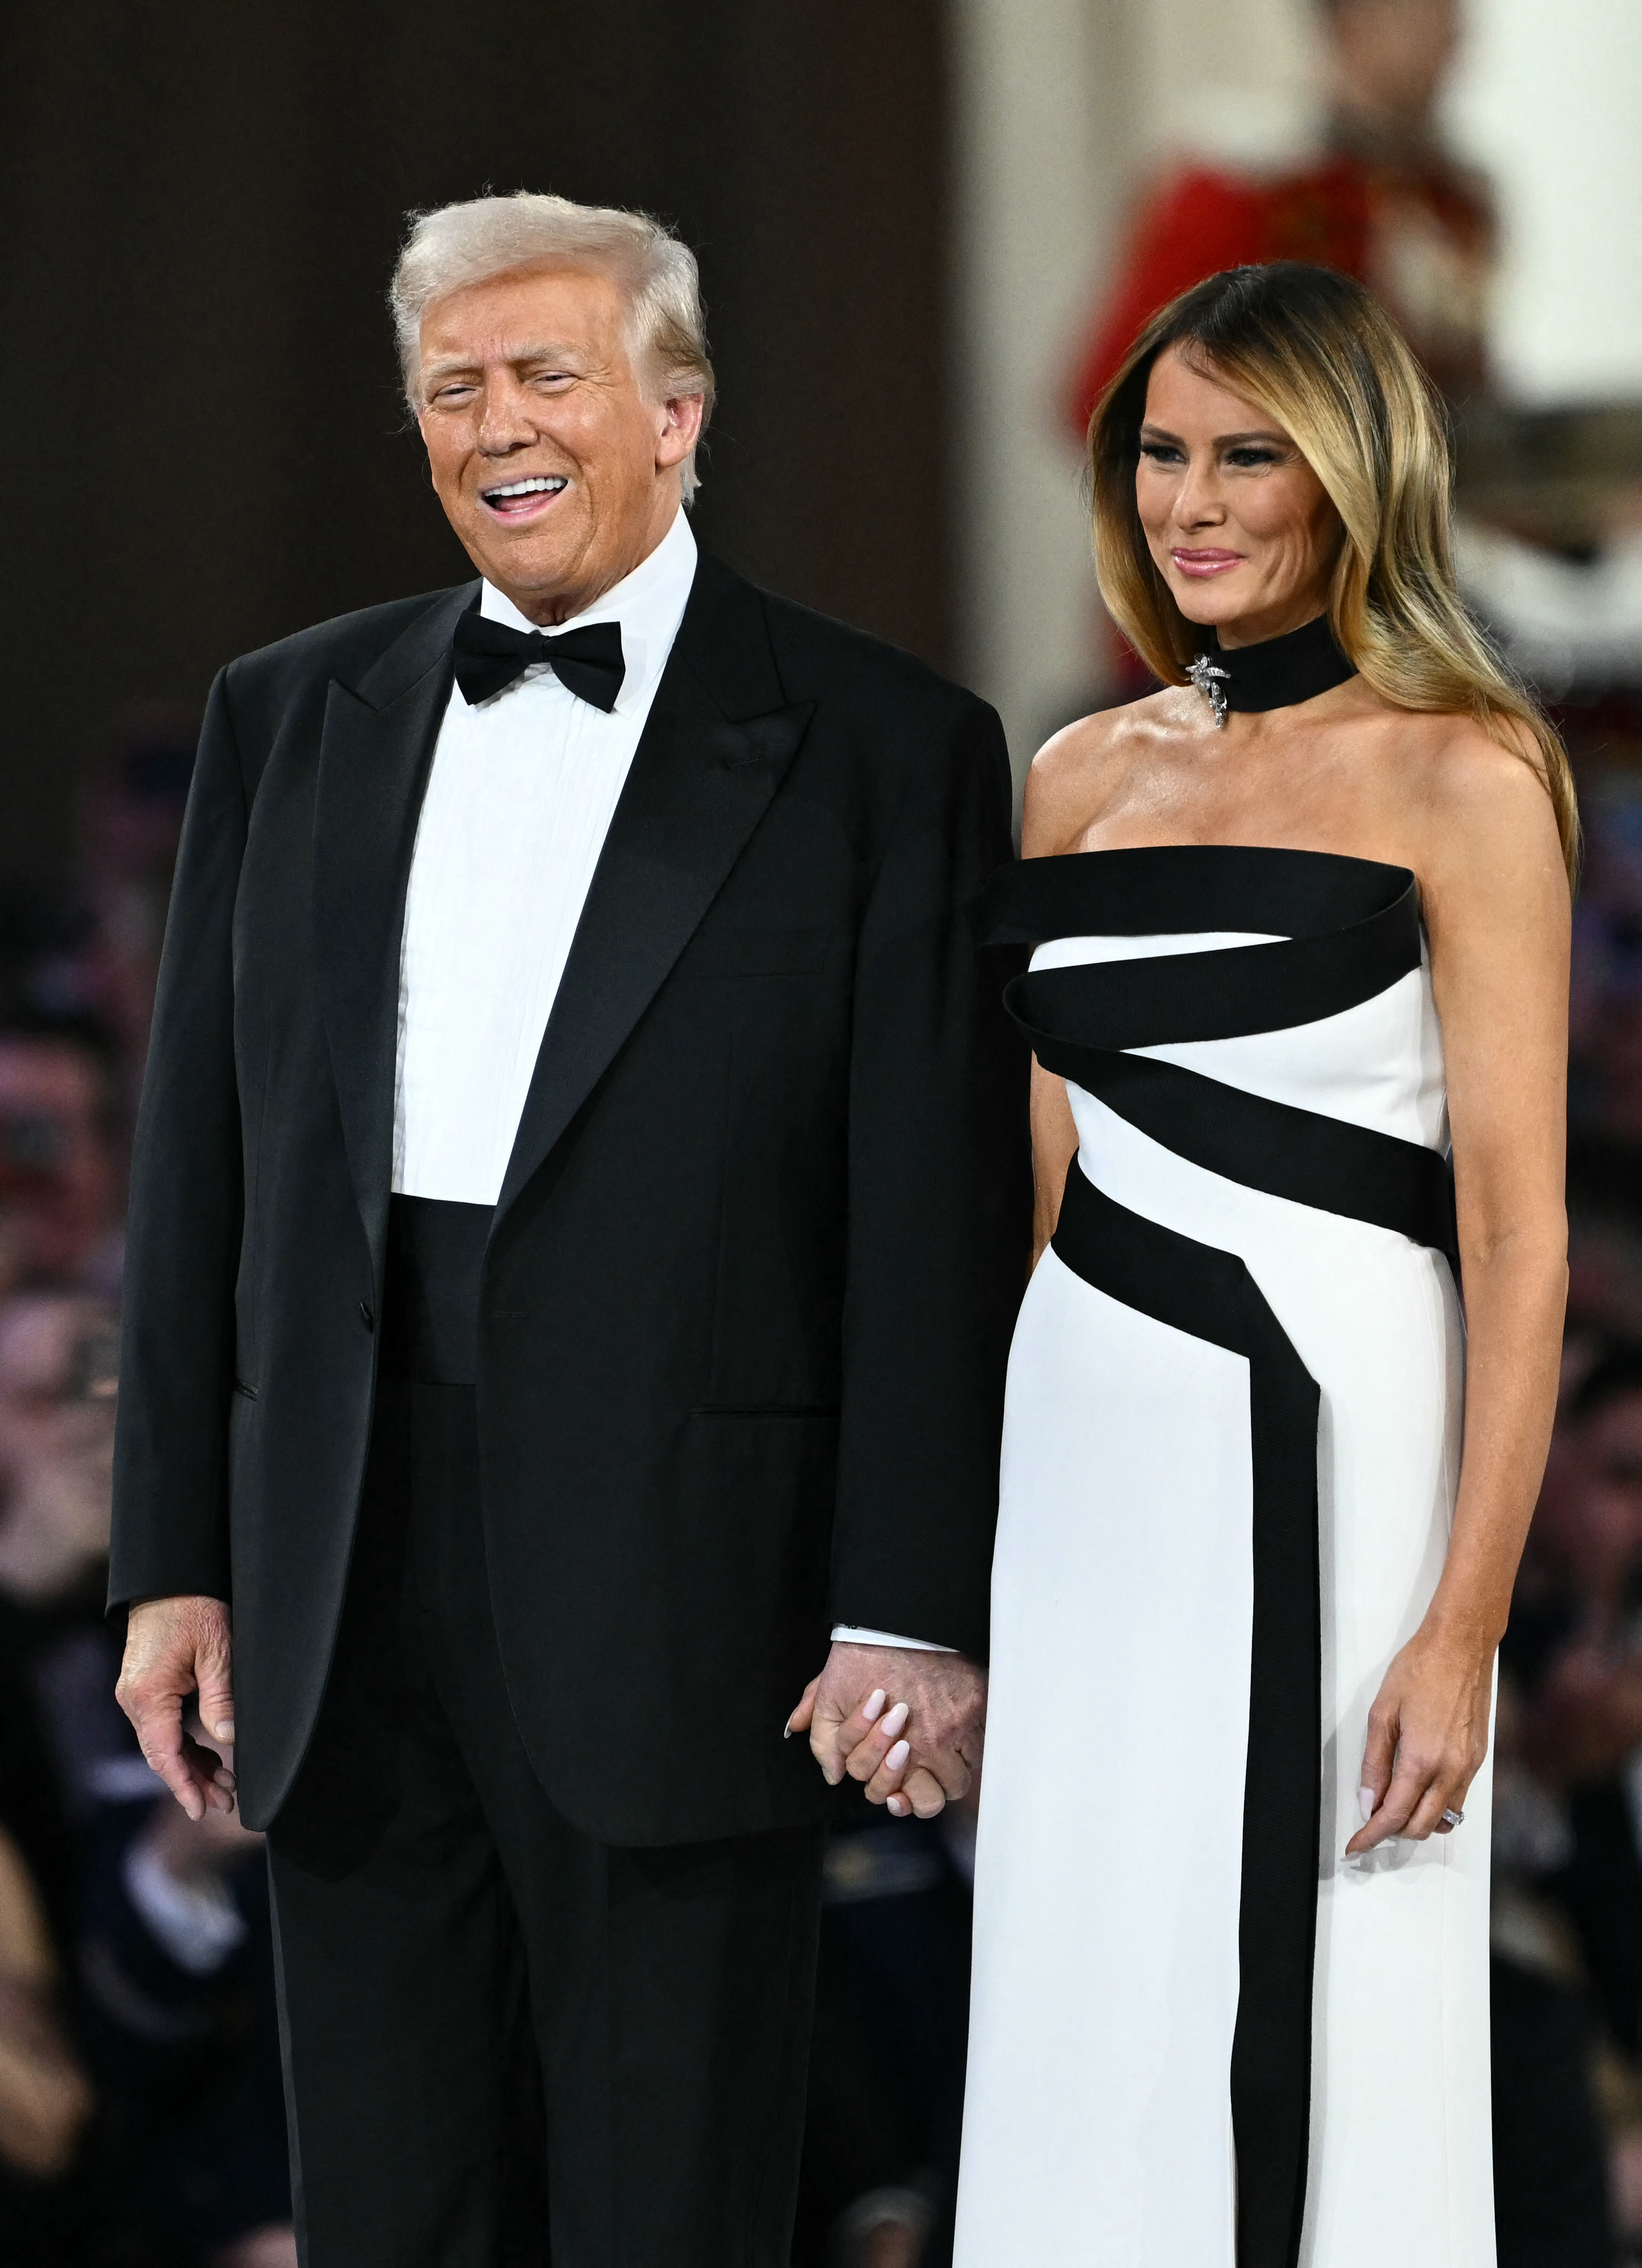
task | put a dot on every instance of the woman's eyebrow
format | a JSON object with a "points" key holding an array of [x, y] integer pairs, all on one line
{"points": [[1149, 431]]}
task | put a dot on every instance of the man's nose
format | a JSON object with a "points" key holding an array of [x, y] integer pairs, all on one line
{"points": [[504, 423]]}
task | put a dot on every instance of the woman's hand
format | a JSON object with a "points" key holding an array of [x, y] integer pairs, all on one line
{"points": [[1427, 1737]]}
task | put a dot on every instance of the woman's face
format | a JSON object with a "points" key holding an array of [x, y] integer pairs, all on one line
{"points": [[1240, 527]]}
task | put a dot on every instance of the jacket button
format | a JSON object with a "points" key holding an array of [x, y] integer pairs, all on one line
{"points": [[365, 1316]]}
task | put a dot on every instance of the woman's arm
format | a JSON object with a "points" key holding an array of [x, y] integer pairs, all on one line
{"points": [[1053, 1146], [1497, 907]]}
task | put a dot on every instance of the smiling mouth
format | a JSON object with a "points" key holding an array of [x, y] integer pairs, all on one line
{"points": [[1205, 563], [523, 499]]}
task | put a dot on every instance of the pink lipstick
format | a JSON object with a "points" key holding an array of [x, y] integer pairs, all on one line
{"points": [[1205, 564]]}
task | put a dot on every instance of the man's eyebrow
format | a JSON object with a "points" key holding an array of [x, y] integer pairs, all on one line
{"points": [[448, 365]]}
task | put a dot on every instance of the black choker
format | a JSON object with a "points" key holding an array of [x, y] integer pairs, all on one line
{"points": [[1274, 674]]}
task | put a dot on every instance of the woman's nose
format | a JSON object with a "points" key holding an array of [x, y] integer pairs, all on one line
{"points": [[1197, 501]]}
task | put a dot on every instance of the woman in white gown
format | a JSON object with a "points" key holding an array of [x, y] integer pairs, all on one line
{"points": [[1262, 1508]]}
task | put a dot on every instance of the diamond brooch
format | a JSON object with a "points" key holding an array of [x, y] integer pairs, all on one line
{"points": [[1211, 682]]}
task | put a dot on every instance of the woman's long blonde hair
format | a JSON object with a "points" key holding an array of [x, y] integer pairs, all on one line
{"points": [[1317, 354]]}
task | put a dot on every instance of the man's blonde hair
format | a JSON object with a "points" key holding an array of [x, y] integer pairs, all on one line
{"points": [[453, 246]]}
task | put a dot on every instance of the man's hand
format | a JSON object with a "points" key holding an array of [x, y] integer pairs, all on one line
{"points": [[904, 1723], [174, 1647]]}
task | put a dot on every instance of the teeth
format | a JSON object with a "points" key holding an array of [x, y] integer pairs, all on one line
{"points": [[539, 485]]}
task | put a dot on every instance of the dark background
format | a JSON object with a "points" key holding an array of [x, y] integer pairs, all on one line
{"points": [[204, 447]]}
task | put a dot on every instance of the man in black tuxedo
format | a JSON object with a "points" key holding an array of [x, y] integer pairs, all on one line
{"points": [[578, 1209]]}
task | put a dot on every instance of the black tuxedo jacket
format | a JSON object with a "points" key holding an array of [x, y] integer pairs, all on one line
{"points": [[748, 1298]]}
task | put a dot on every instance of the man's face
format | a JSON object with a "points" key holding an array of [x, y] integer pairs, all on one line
{"points": [[558, 469]]}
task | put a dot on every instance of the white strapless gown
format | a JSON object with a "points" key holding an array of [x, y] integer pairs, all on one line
{"points": [[1201, 2039]]}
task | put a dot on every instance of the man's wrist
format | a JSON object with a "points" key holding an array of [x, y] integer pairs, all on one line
{"points": [[849, 1634]]}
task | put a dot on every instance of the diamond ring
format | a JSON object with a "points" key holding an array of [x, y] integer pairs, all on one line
{"points": [[1454, 1819]]}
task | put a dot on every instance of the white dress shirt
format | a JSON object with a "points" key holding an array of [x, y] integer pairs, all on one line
{"points": [[520, 799]]}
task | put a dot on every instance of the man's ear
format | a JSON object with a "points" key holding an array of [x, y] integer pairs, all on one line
{"points": [[679, 428]]}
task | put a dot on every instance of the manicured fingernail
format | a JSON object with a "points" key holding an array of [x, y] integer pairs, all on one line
{"points": [[870, 1709], [1365, 1803], [895, 1720], [897, 1807], [225, 1780], [225, 1730], [897, 1755], [787, 1731]]}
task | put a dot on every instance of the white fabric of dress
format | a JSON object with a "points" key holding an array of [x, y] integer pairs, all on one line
{"points": [[1200, 2037]]}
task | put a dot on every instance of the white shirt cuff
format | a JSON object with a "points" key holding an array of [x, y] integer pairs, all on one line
{"points": [[197, 1923], [847, 1634]]}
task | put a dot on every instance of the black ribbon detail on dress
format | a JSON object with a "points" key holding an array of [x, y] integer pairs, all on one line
{"points": [[1210, 1294], [490, 656], [1280, 671], [1346, 929]]}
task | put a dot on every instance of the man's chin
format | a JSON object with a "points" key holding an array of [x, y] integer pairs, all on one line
{"points": [[531, 565]]}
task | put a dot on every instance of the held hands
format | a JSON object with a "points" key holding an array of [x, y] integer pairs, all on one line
{"points": [[906, 1724], [174, 1648], [1427, 1737]]}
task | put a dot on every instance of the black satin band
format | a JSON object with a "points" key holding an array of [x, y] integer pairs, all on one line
{"points": [[1348, 929], [1281, 671], [1210, 1295], [1272, 1146], [1179, 890]]}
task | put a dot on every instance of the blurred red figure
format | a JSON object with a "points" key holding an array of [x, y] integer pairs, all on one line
{"points": [[1384, 202]]}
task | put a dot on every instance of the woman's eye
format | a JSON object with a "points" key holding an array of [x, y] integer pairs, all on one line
{"points": [[1247, 457], [1160, 453]]}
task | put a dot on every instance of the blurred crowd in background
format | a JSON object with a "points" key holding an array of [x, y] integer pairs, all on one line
{"points": [[141, 2113]]}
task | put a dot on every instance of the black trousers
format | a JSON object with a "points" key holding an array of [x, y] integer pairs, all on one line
{"points": [[505, 2042]]}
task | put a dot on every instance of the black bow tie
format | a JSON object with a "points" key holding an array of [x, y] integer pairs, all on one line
{"points": [[490, 656]]}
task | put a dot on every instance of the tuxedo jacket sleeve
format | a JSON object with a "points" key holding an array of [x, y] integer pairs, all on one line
{"points": [[935, 1265], [186, 1214]]}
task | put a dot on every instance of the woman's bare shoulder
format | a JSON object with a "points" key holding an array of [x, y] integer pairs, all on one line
{"points": [[1077, 775], [1480, 803], [1467, 777]]}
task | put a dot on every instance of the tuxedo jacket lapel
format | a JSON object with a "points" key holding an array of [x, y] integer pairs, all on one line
{"points": [[375, 754], [715, 749]]}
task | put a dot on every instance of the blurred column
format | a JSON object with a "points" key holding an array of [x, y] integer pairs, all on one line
{"points": [[1039, 88], [1061, 110], [1227, 79], [1547, 98]]}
